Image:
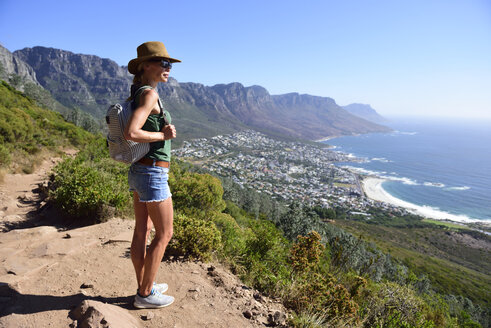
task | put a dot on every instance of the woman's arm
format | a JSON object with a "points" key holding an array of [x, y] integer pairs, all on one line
{"points": [[133, 131]]}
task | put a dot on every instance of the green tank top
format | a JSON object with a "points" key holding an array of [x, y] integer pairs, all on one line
{"points": [[159, 150]]}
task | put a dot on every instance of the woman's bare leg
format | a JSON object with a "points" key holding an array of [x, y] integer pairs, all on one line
{"points": [[162, 216], [143, 225]]}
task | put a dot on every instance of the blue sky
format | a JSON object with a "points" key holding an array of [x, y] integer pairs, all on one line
{"points": [[402, 57]]}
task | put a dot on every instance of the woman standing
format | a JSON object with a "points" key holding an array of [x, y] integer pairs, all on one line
{"points": [[147, 178]]}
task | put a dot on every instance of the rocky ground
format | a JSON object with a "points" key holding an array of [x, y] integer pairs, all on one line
{"points": [[54, 274]]}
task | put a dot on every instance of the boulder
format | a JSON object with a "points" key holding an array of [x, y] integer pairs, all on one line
{"points": [[94, 314]]}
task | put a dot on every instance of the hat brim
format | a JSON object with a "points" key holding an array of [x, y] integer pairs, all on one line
{"points": [[133, 64]]}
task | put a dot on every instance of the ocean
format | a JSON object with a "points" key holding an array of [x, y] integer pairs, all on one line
{"points": [[441, 164]]}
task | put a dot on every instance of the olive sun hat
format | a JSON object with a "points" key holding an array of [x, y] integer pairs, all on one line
{"points": [[149, 50]]}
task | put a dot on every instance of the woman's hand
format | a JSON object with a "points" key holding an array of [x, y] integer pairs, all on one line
{"points": [[169, 131]]}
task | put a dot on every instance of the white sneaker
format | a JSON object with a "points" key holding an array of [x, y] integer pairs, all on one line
{"points": [[161, 288], [153, 301]]}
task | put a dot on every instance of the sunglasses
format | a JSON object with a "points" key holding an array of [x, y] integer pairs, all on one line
{"points": [[164, 63]]}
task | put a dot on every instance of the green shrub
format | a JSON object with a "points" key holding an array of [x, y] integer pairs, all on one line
{"points": [[4, 155], [86, 191], [237, 213], [233, 240], [266, 257], [306, 252], [392, 305], [91, 184], [320, 293], [198, 195], [194, 238], [466, 321]]}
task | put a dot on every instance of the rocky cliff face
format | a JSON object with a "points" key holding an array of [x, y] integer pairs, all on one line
{"points": [[88, 82], [10, 64], [92, 83]]}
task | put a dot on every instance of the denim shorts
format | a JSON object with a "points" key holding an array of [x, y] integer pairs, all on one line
{"points": [[149, 182]]}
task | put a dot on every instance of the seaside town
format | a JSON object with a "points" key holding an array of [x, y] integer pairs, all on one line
{"points": [[285, 170]]}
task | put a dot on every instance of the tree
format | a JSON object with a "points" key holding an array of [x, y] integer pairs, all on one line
{"points": [[298, 221], [3, 74], [15, 81]]}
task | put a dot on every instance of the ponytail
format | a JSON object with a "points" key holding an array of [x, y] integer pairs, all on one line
{"points": [[137, 81]]}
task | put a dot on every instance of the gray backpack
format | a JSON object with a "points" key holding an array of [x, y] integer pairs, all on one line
{"points": [[120, 149]]}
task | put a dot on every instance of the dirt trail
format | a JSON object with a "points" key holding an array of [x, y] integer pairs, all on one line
{"points": [[18, 194], [46, 270]]}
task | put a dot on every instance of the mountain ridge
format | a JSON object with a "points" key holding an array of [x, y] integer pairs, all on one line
{"points": [[367, 112], [91, 84]]}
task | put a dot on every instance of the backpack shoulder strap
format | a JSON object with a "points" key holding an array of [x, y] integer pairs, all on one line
{"points": [[138, 93], [162, 114]]}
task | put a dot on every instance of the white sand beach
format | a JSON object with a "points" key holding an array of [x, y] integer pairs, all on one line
{"points": [[372, 186], [325, 138]]}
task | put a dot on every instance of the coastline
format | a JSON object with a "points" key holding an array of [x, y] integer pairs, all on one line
{"points": [[372, 186], [336, 136], [325, 138]]}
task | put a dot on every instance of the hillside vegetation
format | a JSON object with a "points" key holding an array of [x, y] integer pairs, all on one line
{"points": [[29, 132], [455, 260]]}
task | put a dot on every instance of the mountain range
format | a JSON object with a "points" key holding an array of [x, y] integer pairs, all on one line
{"points": [[90, 84]]}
